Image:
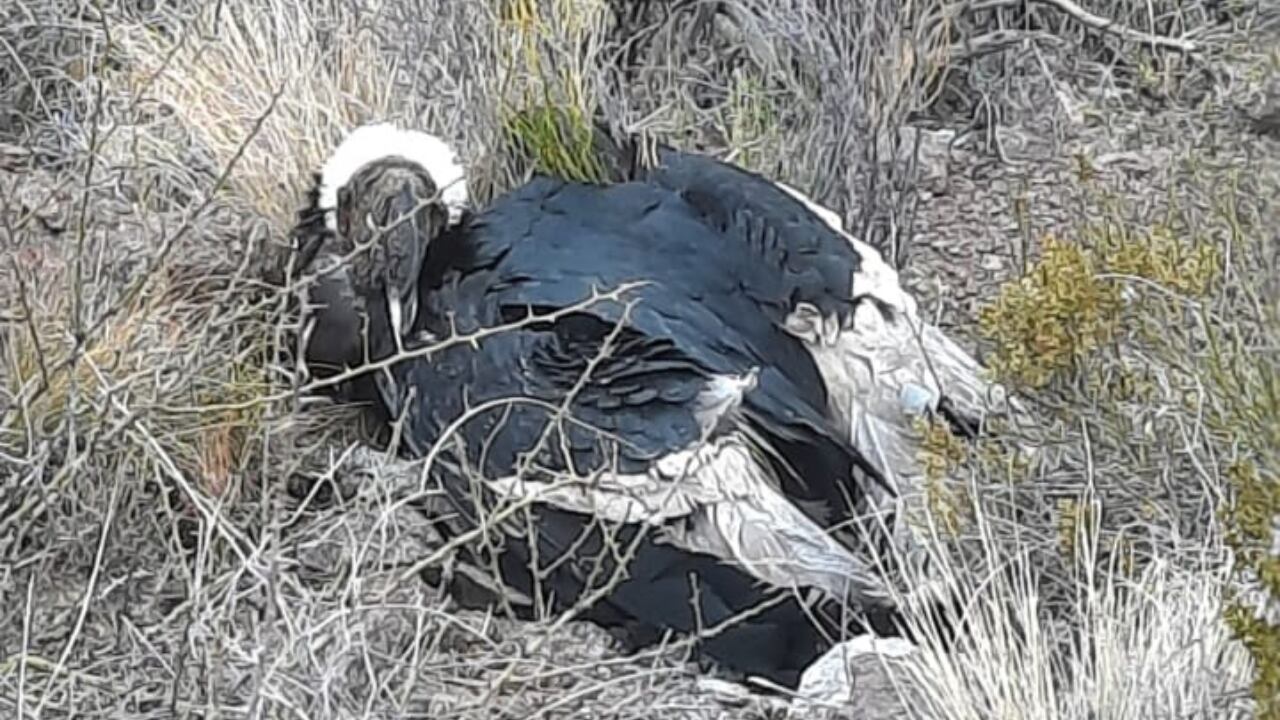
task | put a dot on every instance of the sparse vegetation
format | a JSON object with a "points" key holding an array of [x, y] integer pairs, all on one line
{"points": [[154, 561], [1052, 317]]}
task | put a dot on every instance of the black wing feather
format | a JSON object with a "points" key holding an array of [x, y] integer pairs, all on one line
{"points": [[575, 551]]}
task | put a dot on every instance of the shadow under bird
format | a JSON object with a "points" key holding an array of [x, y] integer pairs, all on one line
{"points": [[724, 427]]}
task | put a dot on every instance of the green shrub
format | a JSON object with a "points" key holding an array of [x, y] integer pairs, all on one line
{"points": [[1046, 321]]}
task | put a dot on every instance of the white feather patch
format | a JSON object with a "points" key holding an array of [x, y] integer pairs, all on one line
{"points": [[751, 523], [717, 497], [651, 497], [725, 503], [908, 349], [875, 277], [722, 396], [882, 373], [375, 141]]}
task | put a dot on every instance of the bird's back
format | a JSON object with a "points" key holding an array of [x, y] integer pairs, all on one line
{"points": [[501, 398], [547, 247], [550, 244]]}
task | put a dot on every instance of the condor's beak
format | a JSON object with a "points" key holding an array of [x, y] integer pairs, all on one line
{"points": [[407, 244], [402, 312]]}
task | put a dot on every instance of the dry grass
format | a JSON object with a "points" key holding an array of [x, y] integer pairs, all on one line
{"points": [[271, 102], [1124, 644], [154, 563]]}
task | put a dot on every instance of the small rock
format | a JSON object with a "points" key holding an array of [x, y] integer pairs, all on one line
{"points": [[852, 679]]}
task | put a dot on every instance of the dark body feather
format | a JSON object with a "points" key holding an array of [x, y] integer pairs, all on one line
{"points": [[767, 225], [547, 246], [811, 262]]}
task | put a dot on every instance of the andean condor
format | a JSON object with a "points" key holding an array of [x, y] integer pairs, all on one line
{"points": [[713, 434]]}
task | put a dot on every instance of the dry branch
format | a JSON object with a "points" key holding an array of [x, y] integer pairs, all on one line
{"points": [[1098, 22]]}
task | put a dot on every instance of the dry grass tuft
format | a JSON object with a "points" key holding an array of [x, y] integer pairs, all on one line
{"points": [[1128, 644], [269, 88]]}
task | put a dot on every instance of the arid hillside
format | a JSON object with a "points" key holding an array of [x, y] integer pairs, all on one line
{"points": [[1085, 192]]}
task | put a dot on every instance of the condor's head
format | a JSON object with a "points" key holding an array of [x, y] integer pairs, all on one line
{"points": [[382, 196], [386, 193]]}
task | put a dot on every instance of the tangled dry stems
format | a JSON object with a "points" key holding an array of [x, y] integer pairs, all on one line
{"points": [[155, 565]]}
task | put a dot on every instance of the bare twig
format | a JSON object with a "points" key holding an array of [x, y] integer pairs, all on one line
{"points": [[1098, 22], [91, 590]]}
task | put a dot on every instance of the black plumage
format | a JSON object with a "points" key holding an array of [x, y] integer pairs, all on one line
{"points": [[813, 263], [819, 265], [723, 259], [551, 244], [548, 246], [636, 408]]}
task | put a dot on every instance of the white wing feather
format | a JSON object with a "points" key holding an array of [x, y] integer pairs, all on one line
{"points": [[717, 497], [882, 372]]}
